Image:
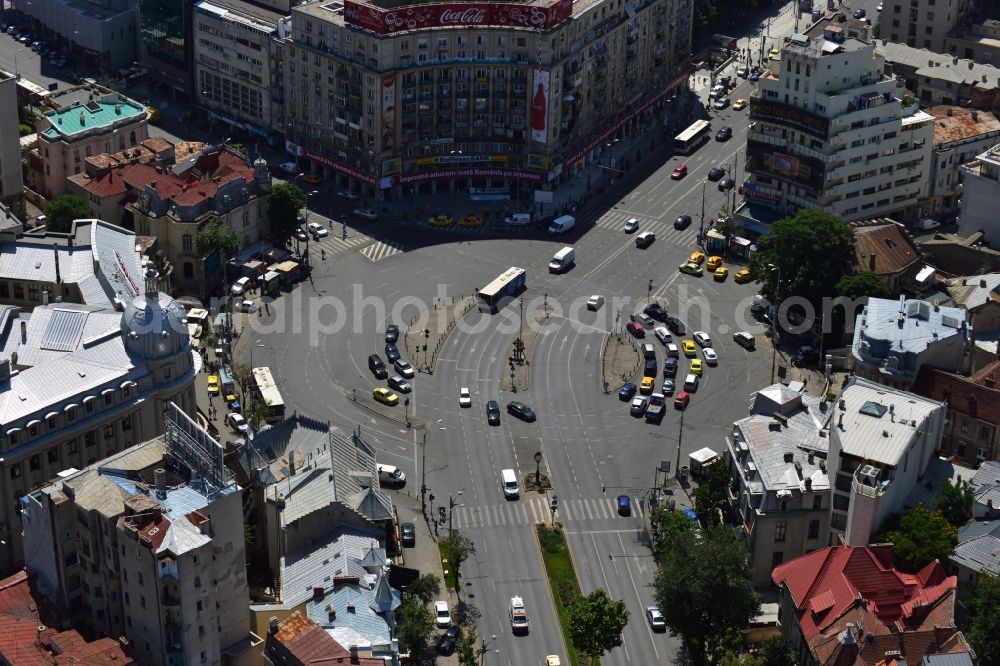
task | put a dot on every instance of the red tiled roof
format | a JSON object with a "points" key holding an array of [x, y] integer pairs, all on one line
{"points": [[309, 643], [23, 611], [891, 246], [825, 583], [153, 534], [973, 396]]}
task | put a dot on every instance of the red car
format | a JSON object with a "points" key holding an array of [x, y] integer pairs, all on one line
{"points": [[679, 172], [636, 329], [682, 400]]}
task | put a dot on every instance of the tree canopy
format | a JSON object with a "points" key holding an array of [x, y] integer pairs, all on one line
{"points": [[777, 651], [214, 235], [954, 501], [862, 284], [425, 587], [596, 622], [283, 205], [710, 571], [984, 629], [416, 625], [458, 548], [812, 250], [668, 525], [62, 210], [711, 494], [922, 537]]}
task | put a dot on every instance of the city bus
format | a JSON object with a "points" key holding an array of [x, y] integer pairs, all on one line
{"points": [[267, 391], [501, 291], [692, 137]]}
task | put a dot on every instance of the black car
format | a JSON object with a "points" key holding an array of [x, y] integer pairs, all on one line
{"points": [[656, 311], [521, 411], [650, 369], [409, 534], [715, 173], [391, 333], [726, 183], [670, 367], [675, 325], [493, 412], [724, 134], [626, 392], [301, 235], [682, 222], [446, 644], [392, 352]]}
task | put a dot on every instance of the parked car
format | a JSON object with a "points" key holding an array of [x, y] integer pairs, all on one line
{"points": [[347, 194], [636, 329], [301, 235], [521, 411], [238, 423], [408, 532], [859, 13], [447, 640], [726, 183], [442, 615]]}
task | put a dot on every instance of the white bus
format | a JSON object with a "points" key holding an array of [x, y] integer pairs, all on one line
{"points": [[502, 290], [692, 137], [267, 391]]}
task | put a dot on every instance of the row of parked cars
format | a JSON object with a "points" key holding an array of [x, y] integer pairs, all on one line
{"points": [[56, 56]]}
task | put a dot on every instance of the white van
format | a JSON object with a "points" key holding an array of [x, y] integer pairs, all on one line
{"points": [[509, 480], [518, 219], [392, 475], [562, 224], [562, 260], [240, 286], [691, 383]]}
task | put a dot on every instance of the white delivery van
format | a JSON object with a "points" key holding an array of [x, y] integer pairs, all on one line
{"points": [[392, 475], [509, 480], [518, 219], [561, 225], [562, 260]]}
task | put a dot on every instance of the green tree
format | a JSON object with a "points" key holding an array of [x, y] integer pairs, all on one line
{"points": [[466, 648], [922, 537], [668, 525], [596, 622], [954, 501], [425, 588], [214, 235], [459, 548], [710, 571], [741, 659], [812, 250], [777, 651], [711, 494], [283, 206], [862, 284], [416, 625], [62, 210], [984, 629]]}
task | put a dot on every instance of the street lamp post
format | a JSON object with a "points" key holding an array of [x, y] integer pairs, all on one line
{"points": [[774, 316], [538, 467], [484, 648], [17, 76]]}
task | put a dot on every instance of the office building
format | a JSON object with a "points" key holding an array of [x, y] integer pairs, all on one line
{"points": [[828, 130], [97, 34], [11, 180], [922, 24], [490, 100]]}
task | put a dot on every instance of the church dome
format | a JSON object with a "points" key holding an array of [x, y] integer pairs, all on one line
{"points": [[154, 324]]}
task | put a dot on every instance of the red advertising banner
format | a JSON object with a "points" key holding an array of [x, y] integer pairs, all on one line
{"points": [[471, 172], [454, 14], [345, 169]]}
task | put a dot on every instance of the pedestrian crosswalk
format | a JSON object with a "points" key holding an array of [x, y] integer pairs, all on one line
{"points": [[383, 250], [335, 243], [615, 220], [536, 510]]}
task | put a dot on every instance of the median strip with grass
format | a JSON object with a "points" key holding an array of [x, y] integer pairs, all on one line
{"points": [[450, 579], [562, 579]]}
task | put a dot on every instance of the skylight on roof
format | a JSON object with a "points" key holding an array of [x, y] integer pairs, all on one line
{"points": [[64, 330], [875, 409]]}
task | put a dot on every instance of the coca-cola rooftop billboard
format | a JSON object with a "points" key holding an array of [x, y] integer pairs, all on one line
{"points": [[454, 14]]}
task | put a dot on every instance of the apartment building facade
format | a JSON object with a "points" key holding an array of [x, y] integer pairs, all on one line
{"points": [[494, 99], [981, 187], [828, 130], [922, 24], [959, 135], [11, 180]]}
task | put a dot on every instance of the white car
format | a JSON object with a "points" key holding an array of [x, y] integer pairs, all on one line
{"points": [[404, 368], [240, 286], [347, 194], [595, 302], [366, 213], [399, 384], [246, 306], [464, 397], [318, 230], [662, 334], [631, 225], [442, 616], [655, 618], [718, 91], [238, 423], [710, 356], [701, 337]]}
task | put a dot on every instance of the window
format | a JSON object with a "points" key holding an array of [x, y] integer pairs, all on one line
{"points": [[779, 531], [108, 397], [817, 502], [813, 532], [127, 423], [187, 242], [777, 557], [109, 431]]}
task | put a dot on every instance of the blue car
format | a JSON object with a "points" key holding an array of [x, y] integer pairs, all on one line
{"points": [[626, 392], [624, 505], [754, 76]]}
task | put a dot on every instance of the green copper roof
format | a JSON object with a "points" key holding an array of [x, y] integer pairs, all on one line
{"points": [[95, 114]]}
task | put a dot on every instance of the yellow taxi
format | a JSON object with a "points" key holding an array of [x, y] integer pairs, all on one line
{"points": [[312, 180], [742, 276], [774, 51], [441, 220], [740, 104], [213, 385], [720, 274], [689, 348], [695, 367], [470, 220], [385, 396], [692, 269], [646, 385], [713, 262], [697, 257]]}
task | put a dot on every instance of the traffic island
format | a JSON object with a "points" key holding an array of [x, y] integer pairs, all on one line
{"points": [[397, 413], [514, 376], [620, 360], [562, 579], [426, 333]]}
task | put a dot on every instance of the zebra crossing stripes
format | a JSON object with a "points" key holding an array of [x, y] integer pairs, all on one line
{"points": [[536, 510], [334, 244], [383, 250]]}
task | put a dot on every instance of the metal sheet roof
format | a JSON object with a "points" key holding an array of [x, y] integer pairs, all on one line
{"points": [[64, 330]]}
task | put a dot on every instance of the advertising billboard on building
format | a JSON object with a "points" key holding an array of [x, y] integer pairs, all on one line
{"points": [[388, 111], [800, 170], [789, 116], [386, 21], [540, 106]]}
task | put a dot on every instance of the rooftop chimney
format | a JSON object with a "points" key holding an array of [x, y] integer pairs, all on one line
{"points": [[24, 331], [45, 297], [291, 463], [871, 262], [272, 624], [160, 475], [982, 283]]}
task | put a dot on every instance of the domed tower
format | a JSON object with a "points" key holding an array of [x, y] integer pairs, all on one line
{"points": [[154, 324], [261, 175]]}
